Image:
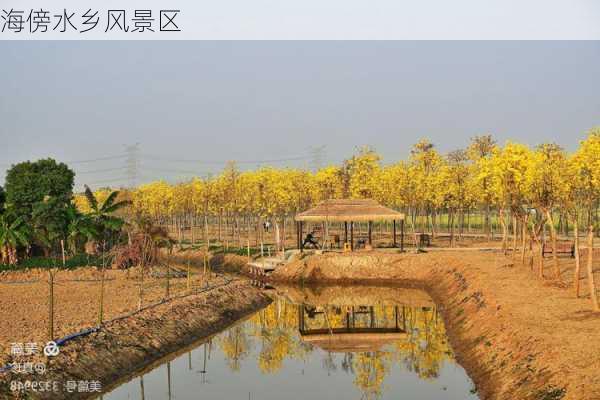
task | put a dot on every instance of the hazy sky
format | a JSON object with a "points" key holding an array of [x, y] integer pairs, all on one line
{"points": [[215, 101]]}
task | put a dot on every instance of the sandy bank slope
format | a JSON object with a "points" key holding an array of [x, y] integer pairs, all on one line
{"points": [[517, 336]]}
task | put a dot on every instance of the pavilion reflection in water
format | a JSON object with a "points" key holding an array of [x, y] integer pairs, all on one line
{"points": [[368, 342], [349, 329]]}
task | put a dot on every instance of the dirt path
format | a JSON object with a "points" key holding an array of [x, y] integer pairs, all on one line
{"points": [[518, 337]]}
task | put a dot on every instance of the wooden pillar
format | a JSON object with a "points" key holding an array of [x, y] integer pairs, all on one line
{"points": [[301, 237], [301, 318], [370, 233], [351, 235], [394, 234], [402, 235], [345, 232]]}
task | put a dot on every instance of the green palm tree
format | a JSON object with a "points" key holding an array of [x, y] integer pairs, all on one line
{"points": [[13, 233], [80, 229], [103, 219], [102, 214]]}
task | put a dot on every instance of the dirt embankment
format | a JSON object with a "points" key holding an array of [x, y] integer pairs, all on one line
{"points": [[127, 345], [517, 336]]}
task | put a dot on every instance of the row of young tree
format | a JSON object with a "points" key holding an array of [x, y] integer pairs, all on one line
{"points": [[511, 181], [528, 190]]}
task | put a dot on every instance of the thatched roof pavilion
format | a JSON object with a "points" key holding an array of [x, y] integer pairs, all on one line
{"points": [[343, 210], [349, 211]]}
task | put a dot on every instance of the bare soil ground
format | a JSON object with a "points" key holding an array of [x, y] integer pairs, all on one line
{"points": [[125, 346], [24, 300], [518, 336]]}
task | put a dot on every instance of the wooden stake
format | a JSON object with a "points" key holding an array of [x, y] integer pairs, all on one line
{"points": [[590, 273], [101, 307], [168, 276], [188, 276], [62, 247], [50, 304]]}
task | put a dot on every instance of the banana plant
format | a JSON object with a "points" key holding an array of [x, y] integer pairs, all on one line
{"points": [[13, 233]]}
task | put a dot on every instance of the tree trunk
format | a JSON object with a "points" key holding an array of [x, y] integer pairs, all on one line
{"points": [[504, 231], [590, 273], [205, 228], [540, 248], [192, 223], [283, 235], [553, 238], [277, 236], [514, 229], [451, 225], [469, 220], [577, 260], [523, 235], [220, 221], [487, 223], [461, 221], [237, 230]]}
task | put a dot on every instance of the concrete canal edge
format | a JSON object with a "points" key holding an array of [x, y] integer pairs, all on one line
{"points": [[502, 360], [126, 346]]}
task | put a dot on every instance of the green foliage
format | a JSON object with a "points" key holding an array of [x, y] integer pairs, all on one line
{"points": [[28, 183], [80, 229], [2, 199], [39, 192], [78, 260], [101, 214], [13, 233], [49, 221]]}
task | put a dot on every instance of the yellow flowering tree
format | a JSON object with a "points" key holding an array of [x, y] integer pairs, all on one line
{"points": [[547, 188], [508, 181], [586, 191], [362, 173]]}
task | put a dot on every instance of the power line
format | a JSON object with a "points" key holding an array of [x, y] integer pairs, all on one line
{"points": [[132, 163], [96, 159], [175, 171], [135, 150], [108, 180], [79, 161], [317, 154], [100, 170], [158, 158]]}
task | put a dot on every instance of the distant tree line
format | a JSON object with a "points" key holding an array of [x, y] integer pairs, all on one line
{"points": [[524, 190]]}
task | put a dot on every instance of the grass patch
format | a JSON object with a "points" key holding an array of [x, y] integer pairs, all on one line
{"points": [[76, 261]]}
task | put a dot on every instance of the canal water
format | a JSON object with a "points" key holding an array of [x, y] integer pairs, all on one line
{"points": [[321, 343]]}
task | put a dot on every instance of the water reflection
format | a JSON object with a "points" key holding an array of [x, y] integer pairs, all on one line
{"points": [[299, 348]]}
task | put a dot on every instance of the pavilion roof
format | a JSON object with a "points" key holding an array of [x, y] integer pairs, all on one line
{"points": [[340, 210], [353, 342]]}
